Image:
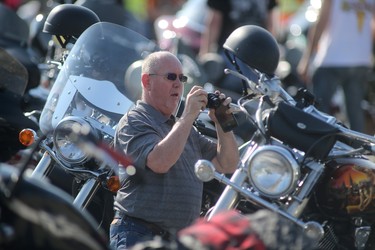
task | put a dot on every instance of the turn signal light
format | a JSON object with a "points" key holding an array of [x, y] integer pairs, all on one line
{"points": [[27, 137], [113, 183]]}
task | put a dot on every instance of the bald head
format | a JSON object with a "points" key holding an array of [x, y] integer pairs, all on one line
{"points": [[153, 62]]}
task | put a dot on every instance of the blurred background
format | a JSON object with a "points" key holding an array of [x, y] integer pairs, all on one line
{"points": [[165, 22]]}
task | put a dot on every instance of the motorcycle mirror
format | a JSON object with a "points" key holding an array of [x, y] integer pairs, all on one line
{"points": [[214, 65], [132, 81], [204, 170]]}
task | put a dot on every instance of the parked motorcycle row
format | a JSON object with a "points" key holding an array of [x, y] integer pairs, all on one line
{"points": [[303, 165]]}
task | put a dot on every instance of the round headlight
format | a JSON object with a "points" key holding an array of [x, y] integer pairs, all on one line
{"points": [[66, 136], [273, 171]]}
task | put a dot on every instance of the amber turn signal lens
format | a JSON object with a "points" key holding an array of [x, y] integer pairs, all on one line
{"points": [[113, 183], [27, 137]]}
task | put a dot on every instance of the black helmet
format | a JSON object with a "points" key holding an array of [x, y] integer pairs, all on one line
{"points": [[67, 21], [255, 46]]}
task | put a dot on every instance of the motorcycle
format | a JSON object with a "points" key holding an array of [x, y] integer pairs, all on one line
{"points": [[14, 38], [93, 89], [35, 214], [300, 163], [13, 82]]}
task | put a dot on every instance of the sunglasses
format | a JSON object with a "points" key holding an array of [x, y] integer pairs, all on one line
{"points": [[172, 77]]}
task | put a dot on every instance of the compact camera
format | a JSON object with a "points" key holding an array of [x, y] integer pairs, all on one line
{"points": [[227, 121]]}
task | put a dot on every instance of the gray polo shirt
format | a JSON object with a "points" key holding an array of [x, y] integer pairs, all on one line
{"points": [[171, 200]]}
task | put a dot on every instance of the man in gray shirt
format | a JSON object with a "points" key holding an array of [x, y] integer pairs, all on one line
{"points": [[164, 195]]}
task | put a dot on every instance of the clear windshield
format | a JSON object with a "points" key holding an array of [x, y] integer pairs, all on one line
{"points": [[13, 75], [101, 73]]}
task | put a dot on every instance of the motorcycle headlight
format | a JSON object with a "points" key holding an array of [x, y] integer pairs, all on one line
{"points": [[273, 171], [66, 136]]}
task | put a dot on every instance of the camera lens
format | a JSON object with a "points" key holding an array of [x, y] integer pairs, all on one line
{"points": [[213, 101]]}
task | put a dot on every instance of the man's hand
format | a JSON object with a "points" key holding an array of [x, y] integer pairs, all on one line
{"points": [[196, 100], [225, 102]]}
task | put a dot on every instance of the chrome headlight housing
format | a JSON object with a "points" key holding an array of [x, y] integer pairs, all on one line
{"points": [[65, 139], [273, 171]]}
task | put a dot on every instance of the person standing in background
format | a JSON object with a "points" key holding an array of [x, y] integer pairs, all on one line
{"points": [[224, 16], [113, 11], [339, 53]]}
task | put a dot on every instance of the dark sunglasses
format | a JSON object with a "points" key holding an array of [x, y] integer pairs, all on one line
{"points": [[172, 77]]}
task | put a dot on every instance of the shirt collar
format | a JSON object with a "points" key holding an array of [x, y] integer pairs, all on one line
{"points": [[155, 113]]}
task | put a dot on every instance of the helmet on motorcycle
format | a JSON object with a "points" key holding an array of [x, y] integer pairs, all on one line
{"points": [[69, 21], [255, 46]]}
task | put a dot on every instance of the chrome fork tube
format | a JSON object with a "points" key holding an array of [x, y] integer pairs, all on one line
{"points": [[44, 167], [230, 196], [86, 193]]}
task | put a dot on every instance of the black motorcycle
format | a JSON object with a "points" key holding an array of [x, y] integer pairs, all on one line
{"points": [[13, 83], [300, 163], [37, 215], [14, 38]]}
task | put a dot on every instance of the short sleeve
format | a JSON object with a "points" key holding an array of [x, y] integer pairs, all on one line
{"points": [[136, 138]]}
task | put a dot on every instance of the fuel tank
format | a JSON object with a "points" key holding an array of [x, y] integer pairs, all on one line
{"points": [[348, 189]]}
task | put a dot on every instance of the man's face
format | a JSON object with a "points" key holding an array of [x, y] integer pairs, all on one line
{"points": [[165, 86]]}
